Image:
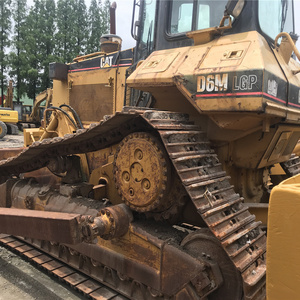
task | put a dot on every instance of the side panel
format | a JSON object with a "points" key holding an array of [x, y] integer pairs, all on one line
{"points": [[9, 116], [91, 93], [283, 244]]}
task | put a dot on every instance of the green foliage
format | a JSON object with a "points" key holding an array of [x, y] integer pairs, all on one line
{"points": [[45, 33], [80, 27], [18, 56], [47, 43], [98, 24], [65, 41], [5, 23]]}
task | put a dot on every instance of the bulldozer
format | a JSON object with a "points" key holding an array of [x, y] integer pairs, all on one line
{"points": [[152, 172]]}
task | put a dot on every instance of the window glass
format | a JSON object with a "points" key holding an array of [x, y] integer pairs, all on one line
{"points": [[188, 15], [203, 20], [148, 22], [181, 17], [275, 16]]}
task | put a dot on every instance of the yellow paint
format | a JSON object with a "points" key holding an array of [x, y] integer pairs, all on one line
{"points": [[31, 135], [9, 116], [283, 244], [136, 247]]}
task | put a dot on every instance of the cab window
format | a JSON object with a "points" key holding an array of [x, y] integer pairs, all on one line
{"points": [[275, 16], [195, 15]]}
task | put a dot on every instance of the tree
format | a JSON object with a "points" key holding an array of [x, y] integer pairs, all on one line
{"points": [[32, 48], [80, 27], [94, 25], [105, 16], [18, 56], [47, 42], [98, 24], [95, 29], [5, 23], [65, 40]]}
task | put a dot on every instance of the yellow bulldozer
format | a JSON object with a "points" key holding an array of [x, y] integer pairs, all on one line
{"points": [[153, 169]]}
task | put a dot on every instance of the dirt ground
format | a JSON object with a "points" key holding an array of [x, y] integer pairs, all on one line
{"points": [[18, 278], [12, 141]]}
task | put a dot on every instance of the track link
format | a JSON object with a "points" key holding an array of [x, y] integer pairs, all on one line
{"points": [[198, 168], [220, 207], [292, 166], [77, 280]]}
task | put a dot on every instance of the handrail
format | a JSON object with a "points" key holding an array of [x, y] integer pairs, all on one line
{"points": [[292, 45]]}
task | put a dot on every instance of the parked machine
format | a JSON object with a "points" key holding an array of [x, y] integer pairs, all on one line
{"points": [[30, 116], [146, 200], [8, 116]]}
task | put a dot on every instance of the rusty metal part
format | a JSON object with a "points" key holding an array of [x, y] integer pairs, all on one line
{"points": [[202, 243], [173, 204], [140, 171], [64, 227], [69, 165], [60, 164], [106, 222], [194, 279], [5, 188], [113, 222], [217, 203], [82, 283], [198, 169], [60, 227], [5, 153], [112, 13], [44, 197], [253, 184]]}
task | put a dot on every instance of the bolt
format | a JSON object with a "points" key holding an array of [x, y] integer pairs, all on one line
{"points": [[146, 184], [126, 176], [139, 155], [253, 272]]}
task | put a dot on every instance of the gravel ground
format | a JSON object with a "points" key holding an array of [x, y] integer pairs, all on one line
{"points": [[18, 278], [12, 141]]}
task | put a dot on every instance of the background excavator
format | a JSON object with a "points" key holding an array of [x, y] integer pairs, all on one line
{"points": [[153, 200], [8, 116], [27, 115]]}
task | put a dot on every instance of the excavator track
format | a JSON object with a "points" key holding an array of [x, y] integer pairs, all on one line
{"points": [[200, 172]]}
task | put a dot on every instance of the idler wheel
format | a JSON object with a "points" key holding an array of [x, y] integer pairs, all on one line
{"points": [[202, 244], [140, 170]]}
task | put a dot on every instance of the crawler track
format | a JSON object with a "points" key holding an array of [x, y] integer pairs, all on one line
{"points": [[198, 168], [292, 166], [77, 280]]}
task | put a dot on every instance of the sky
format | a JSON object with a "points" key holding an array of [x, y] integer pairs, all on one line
{"points": [[123, 22]]}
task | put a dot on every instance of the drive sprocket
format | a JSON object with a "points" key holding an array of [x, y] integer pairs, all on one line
{"points": [[141, 167]]}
